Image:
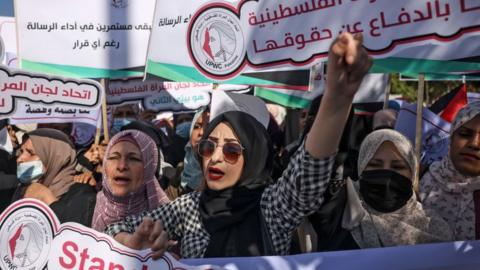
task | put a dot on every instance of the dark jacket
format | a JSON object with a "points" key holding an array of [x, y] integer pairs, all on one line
{"points": [[76, 205], [8, 179]]}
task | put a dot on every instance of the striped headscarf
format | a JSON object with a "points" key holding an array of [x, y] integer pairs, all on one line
{"points": [[111, 208]]}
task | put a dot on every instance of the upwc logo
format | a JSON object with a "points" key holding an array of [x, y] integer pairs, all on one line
{"points": [[25, 239], [216, 42]]}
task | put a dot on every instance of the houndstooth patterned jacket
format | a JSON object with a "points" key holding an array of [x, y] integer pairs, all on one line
{"points": [[298, 193]]}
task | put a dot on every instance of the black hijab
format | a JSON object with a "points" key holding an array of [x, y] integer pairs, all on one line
{"points": [[232, 216]]}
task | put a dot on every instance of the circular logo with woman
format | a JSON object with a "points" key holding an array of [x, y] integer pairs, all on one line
{"points": [[216, 42], [25, 239]]}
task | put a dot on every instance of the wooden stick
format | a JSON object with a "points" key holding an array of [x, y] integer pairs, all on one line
{"points": [[418, 130], [106, 137], [387, 92]]}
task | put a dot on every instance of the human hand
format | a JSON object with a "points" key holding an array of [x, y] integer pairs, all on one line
{"points": [[95, 153], [85, 178], [348, 63], [149, 234]]}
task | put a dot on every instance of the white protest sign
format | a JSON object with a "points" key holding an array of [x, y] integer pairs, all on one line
{"points": [[159, 95], [226, 40], [225, 102], [8, 33], [107, 35], [35, 98], [170, 60], [31, 237]]}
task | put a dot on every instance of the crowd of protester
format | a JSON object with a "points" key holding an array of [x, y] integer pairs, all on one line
{"points": [[224, 186]]}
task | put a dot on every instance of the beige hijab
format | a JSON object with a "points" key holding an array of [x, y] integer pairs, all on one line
{"points": [[58, 155], [408, 225]]}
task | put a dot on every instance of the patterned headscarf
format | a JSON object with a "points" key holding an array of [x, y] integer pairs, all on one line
{"points": [[374, 140], [111, 208], [444, 189], [408, 225]]}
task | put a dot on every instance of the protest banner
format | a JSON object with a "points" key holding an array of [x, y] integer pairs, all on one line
{"points": [[31, 237], [35, 98], [372, 89], [88, 39], [435, 132], [159, 95], [9, 36], [177, 66], [226, 41]]}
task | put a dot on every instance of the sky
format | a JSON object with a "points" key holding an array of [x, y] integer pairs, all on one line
{"points": [[6, 8]]}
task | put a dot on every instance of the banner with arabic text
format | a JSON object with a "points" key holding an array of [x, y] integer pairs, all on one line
{"points": [[31, 237], [156, 95], [87, 39], [36, 98], [227, 42]]}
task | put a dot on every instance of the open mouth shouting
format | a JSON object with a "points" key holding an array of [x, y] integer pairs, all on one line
{"points": [[121, 180], [214, 173]]}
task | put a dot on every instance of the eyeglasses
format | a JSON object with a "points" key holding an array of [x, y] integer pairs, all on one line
{"points": [[231, 151]]}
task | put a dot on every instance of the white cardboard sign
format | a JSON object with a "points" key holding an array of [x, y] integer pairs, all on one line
{"points": [[88, 33], [225, 40], [36, 98]]}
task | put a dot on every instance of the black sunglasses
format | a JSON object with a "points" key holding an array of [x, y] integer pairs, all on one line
{"points": [[231, 151]]}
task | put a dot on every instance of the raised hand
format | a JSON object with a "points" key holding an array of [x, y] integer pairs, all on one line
{"points": [[348, 63], [149, 234]]}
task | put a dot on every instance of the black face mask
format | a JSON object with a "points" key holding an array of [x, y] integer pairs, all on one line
{"points": [[385, 190]]}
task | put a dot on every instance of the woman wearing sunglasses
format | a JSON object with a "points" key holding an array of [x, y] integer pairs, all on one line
{"points": [[240, 213]]}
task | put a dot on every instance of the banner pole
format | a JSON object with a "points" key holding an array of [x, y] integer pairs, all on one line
{"points": [[98, 131], [418, 130], [104, 82], [387, 92]]}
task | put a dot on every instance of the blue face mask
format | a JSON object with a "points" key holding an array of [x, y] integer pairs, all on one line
{"points": [[183, 130], [118, 123], [29, 171]]}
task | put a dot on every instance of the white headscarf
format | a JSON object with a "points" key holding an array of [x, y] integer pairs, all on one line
{"points": [[408, 225], [450, 193]]}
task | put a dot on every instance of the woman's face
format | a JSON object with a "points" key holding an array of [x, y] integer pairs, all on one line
{"points": [[125, 111], [220, 174], [27, 152], [387, 157], [465, 148], [124, 168], [197, 131]]}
